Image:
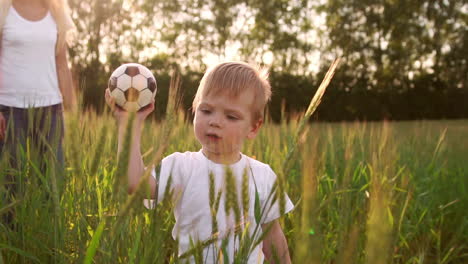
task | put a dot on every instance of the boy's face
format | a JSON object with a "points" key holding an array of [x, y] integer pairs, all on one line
{"points": [[222, 123]]}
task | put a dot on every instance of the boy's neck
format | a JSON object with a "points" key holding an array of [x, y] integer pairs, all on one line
{"points": [[34, 3], [225, 159]]}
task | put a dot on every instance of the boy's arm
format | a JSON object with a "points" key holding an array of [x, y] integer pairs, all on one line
{"points": [[136, 167], [275, 244]]}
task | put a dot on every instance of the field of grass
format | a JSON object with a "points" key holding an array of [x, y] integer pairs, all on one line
{"points": [[364, 193]]}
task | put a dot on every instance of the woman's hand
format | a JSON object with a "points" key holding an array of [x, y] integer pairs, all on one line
{"points": [[2, 127]]}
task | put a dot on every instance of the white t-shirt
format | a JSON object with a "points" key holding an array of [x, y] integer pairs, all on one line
{"points": [[28, 73], [189, 174]]}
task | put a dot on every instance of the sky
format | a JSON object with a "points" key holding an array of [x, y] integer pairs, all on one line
{"points": [[232, 50]]}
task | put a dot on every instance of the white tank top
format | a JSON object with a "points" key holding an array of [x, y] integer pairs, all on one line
{"points": [[28, 73]]}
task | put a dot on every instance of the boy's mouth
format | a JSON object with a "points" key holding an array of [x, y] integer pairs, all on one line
{"points": [[213, 136]]}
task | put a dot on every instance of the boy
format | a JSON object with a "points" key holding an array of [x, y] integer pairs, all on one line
{"points": [[228, 109]]}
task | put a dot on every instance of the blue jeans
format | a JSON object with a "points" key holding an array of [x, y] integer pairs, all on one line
{"points": [[33, 136]]}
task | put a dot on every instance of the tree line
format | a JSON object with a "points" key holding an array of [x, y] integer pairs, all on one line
{"points": [[401, 60]]}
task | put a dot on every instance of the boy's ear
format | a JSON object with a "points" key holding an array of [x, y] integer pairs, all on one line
{"points": [[255, 128]]}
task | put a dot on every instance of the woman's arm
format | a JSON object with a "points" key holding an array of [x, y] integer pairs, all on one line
{"points": [[275, 244], [2, 118], [65, 79]]}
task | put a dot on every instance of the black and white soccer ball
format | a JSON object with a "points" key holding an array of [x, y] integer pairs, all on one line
{"points": [[133, 86]]}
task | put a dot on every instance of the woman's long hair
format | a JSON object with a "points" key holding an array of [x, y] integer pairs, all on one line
{"points": [[60, 12]]}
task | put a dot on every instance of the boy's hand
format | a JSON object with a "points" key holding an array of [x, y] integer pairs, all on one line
{"points": [[144, 112], [121, 115]]}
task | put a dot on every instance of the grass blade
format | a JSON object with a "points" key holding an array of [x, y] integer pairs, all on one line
{"points": [[91, 250]]}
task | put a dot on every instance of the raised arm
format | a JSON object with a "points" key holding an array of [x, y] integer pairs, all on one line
{"points": [[275, 244], [136, 167]]}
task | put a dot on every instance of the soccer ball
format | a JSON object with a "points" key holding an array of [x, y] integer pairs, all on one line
{"points": [[132, 86]]}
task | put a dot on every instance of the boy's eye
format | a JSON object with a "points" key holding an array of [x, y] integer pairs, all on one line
{"points": [[205, 111], [231, 117]]}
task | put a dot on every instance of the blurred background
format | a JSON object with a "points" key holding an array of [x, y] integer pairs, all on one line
{"points": [[401, 60]]}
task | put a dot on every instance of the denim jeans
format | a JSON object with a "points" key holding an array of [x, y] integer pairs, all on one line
{"points": [[33, 136]]}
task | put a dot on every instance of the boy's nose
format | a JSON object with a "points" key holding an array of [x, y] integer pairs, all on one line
{"points": [[214, 122]]}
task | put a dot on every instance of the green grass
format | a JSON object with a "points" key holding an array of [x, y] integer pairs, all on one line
{"points": [[364, 193]]}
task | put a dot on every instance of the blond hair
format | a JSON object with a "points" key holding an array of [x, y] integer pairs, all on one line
{"points": [[60, 12], [233, 78]]}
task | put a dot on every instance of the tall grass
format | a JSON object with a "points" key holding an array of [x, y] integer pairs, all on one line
{"points": [[364, 193]]}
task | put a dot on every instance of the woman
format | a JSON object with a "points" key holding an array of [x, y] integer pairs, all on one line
{"points": [[35, 79]]}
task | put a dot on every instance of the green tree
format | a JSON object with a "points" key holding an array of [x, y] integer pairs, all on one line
{"points": [[192, 30], [392, 48]]}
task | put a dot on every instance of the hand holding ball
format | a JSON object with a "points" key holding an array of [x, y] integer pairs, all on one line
{"points": [[132, 86]]}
